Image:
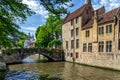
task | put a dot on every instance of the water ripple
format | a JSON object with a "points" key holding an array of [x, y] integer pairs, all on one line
{"points": [[22, 75]]}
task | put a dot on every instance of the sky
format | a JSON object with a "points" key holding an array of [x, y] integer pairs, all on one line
{"points": [[39, 18]]}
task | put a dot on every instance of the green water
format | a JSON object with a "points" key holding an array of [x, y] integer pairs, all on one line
{"points": [[67, 71]]}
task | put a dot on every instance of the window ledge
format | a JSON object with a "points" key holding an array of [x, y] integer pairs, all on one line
{"points": [[101, 34], [108, 33]]}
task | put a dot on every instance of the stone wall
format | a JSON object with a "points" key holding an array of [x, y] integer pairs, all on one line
{"points": [[3, 68], [105, 60], [19, 54]]}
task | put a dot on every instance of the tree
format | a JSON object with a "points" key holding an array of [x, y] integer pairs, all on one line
{"points": [[56, 7], [54, 25], [42, 37], [49, 34], [22, 38], [11, 12]]}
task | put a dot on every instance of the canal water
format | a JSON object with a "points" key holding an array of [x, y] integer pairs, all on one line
{"points": [[59, 71]]}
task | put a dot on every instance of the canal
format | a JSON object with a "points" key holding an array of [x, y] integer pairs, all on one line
{"points": [[60, 71]]}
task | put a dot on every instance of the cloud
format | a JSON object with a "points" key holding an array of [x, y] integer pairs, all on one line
{"points": [[36, 7], [28, 29], [109, 4]]}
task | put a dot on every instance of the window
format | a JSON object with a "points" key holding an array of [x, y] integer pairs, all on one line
{"points": [[108, 46], [119, 45], [101, 30], [72, 32], [76, 20], [101, 46], [77, 55], [71, 55], [89, 47], [77, 31], [72, 21], [77, 43], [84, 47], [67, 54], [108, 28], [72, 44], [87, 33], [66, 44]]}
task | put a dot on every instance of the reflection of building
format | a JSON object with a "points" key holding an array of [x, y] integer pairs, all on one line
{"points": [[29, 42], [92, 36]]}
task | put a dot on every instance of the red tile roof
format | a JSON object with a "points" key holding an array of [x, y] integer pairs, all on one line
{"points": [[74, 14], [90, 22], [109, 16], [101, 10], [105, 17]]}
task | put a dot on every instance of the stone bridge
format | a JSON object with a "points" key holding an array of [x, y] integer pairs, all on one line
{"points": [[17, 55]]}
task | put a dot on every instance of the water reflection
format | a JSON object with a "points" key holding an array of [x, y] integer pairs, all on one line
{"points": [[68, 71], [22, 75], [26, 60]]}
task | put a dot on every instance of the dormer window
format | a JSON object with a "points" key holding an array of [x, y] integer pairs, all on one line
{"points": [[72, 21]]}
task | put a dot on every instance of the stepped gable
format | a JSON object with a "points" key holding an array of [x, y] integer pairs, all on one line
{"points": [[74, 14], [90, 22]]}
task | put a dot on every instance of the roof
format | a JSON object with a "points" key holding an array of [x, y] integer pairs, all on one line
{"points": [[102, 18], [101, 10], [88, 24], [109, 16], [74, 14], [91, 21]]}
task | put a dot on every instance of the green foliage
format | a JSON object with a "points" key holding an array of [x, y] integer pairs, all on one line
{"points": [[54, 25], [11, 13], [56, 7], [50, 33], [21, 43], [54, 42], [42, 37], [23, 37]]}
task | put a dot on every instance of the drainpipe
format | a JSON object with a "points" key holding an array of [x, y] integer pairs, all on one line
{"points": [[115, 37], [74, 44]]}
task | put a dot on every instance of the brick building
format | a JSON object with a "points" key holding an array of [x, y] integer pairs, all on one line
{"points": [[92, 36]]}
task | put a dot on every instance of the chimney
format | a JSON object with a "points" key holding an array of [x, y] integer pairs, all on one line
{"points": [[95, 27], [96, 16], [88, 1]]}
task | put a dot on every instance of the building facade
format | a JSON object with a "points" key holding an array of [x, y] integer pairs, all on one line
{"points": [[29, 42], [92, 36]]}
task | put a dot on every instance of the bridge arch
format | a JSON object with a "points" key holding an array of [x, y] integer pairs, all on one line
{"points": [[51, 55]]}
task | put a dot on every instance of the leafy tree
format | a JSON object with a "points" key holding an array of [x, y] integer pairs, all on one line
{"points": [[54, 25], [22, 38], [49, 34], [11, 12], [42, 37], [56, 7], [56, 42]]}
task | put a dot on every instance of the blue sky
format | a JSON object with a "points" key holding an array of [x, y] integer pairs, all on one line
{"points": [[41, 14]]}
